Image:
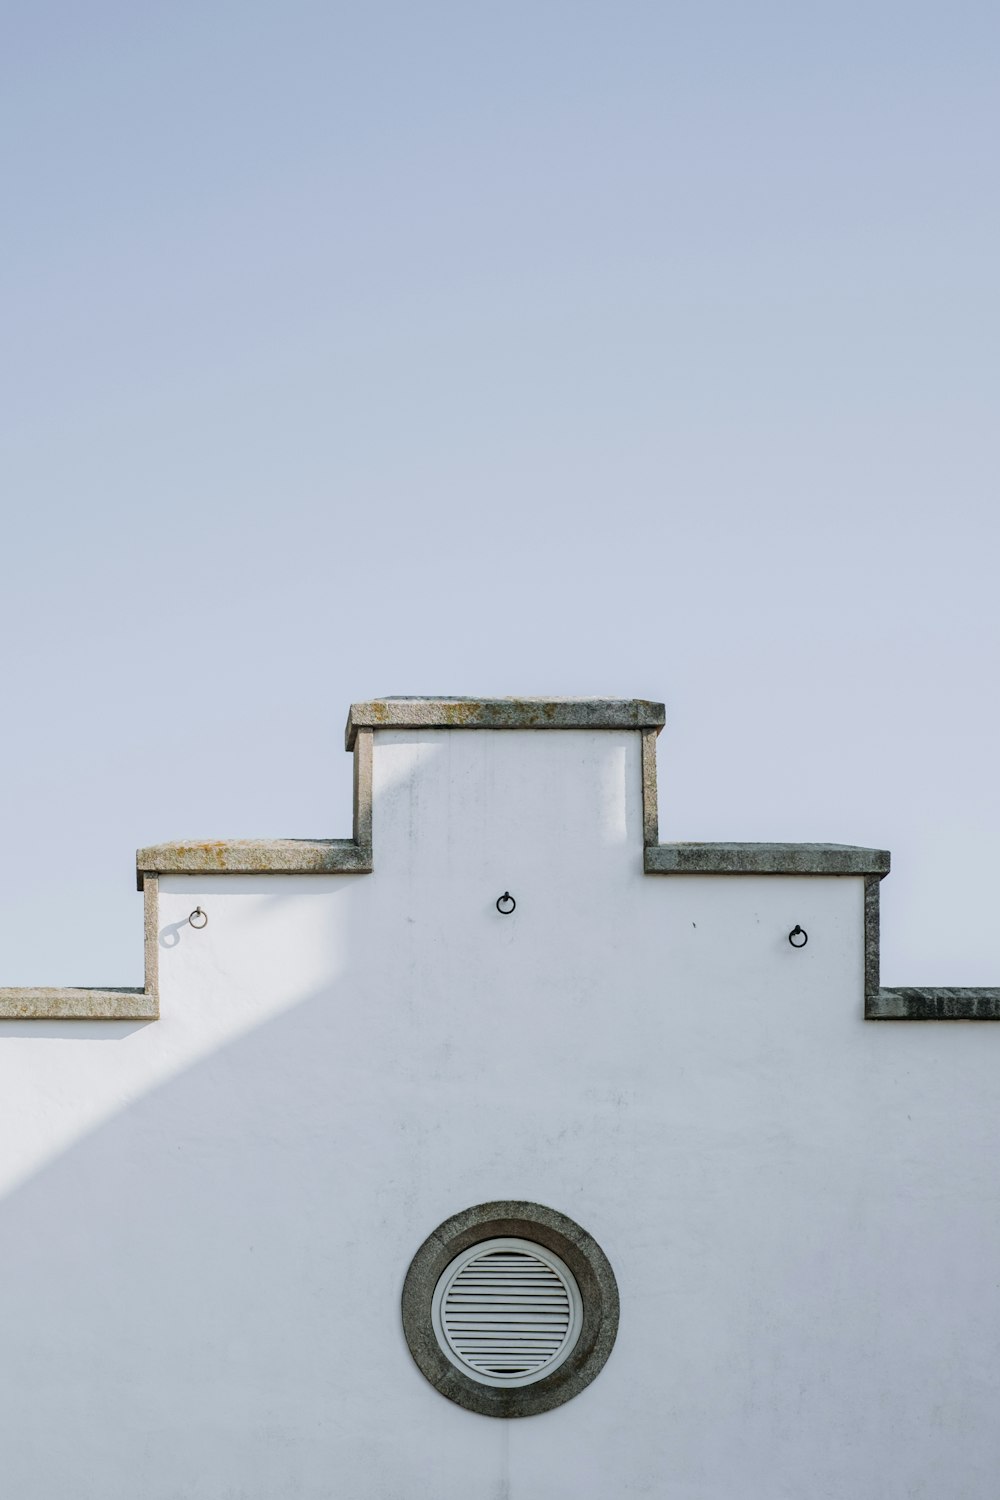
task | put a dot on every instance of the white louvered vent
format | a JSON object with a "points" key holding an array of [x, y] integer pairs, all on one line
{"points": [[507, 1312]]}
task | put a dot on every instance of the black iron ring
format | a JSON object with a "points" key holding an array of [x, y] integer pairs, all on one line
{"points": [[798, 932], [505, 911], [198, 913]]}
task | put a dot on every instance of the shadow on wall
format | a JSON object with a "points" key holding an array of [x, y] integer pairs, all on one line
{"points": [[174, 1287], [71, 1031], [187, 1286]]}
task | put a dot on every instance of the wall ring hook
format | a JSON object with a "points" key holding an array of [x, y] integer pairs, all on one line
{"points": [[198, 913], [798, 932], [502, 907]]}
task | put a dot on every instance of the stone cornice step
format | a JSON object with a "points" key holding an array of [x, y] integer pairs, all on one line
{"points": [[503, 713], [765, 859]]}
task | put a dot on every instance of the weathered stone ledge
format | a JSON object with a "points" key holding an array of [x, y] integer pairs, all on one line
{"points": [[53, 1004], [256, 857], [765, 859], [503, 713], [933, 1003]]}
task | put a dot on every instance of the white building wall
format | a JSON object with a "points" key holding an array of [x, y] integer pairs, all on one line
{"points": [[207, 1220]]}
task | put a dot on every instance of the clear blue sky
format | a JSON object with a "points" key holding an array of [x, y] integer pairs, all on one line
{"points": [[553, 348]]}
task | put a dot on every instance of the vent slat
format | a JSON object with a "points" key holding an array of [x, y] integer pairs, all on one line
{"points": [[507, 1313]]}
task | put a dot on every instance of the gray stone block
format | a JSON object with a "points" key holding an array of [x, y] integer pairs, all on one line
{"points": [[55, 1004], [255, 857], [503, 713], [62, 1003], [765, 859], [933, 1004]]}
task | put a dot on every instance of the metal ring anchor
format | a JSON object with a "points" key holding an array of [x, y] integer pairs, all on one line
{"points": [[505, 911], [198, 913], [798, 932]]}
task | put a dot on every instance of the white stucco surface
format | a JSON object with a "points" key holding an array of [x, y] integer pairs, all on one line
{"points": [[206, 1220]]}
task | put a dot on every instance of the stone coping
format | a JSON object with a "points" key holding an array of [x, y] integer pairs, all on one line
{"points": [[54, 1004], [64, 1003], [276, 856], [765, 859], [930, 1003], [255, 857], [503, 713], [915, 1002], [343, 856]]}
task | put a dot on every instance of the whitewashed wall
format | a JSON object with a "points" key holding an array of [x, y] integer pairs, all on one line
{"points": [[206, 1220]]}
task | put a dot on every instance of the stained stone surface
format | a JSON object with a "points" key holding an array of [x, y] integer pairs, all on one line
{"points": [[934, 1003], [54, 1004], [503, 713], [765, 859], [256, 857]]}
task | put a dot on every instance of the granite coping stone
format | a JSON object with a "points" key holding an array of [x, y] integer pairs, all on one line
{"points": [[765, 859], [39, 1003], [104, 1003], [256, 857], [933, 1003], [503, 713], [915, 1002]]}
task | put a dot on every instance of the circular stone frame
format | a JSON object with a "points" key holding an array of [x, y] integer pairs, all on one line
{"points": [[525, 1221]]}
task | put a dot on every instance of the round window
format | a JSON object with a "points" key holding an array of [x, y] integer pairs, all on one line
{"points": [[510, 1308]]}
